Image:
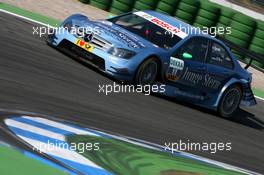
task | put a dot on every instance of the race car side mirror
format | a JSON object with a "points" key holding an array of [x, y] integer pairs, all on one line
{"points": [[186, 55]]}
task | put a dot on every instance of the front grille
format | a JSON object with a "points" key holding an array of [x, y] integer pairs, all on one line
{"points": [[76, 51], [98, 42]]}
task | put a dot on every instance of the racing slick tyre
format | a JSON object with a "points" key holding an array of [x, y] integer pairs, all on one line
{"points": [[237, 41], [255, 63], [206, 14], [165, 7], [198, 25], [244, 19], [161, 11], [260, 24], [240, 35], [204, 21], [103, 1], [99, 5], [227, 12], [141, 6], [147, 72], [174, 3], [218, 25], [242, 27], [187, 8], [184, 16], [194, 3], [256, 49], [259, 33], [210, 7], [224, 20], [84, 1], [115, 11], [127, 2], [230, 101], [120, 6], [257, 41], [151, 3]]}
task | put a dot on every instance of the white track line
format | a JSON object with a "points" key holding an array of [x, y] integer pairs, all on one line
{"points": [[51, 148], [26, 18], [59, 152], [33, 129], [60, 125], [260, 98]]}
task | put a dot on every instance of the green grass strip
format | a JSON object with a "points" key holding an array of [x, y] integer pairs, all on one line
{"points": [[13, 162], [28, 14], [259, 93], [121, 158]]}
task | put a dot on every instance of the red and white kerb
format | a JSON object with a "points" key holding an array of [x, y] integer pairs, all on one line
{"points": [[162, 24]]}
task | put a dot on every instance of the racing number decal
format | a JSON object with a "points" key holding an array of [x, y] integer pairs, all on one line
{"points": [[175, 68], [176, 63], [84, 45]]}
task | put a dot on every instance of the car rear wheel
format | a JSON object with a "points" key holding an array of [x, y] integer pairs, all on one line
{"points": [[230, 101], [147, 72]]}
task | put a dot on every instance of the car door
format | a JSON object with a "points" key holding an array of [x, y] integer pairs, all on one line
{"points": [[187, 66], [220, 67]]}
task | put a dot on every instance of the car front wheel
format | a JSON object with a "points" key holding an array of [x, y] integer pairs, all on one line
{"points": [[147, 72], [230, 101]]}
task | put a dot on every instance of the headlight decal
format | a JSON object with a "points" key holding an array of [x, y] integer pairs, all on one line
{"points": [[121, 53]]}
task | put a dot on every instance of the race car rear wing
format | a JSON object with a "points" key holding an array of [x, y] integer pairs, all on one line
{"points": [[245, 52]]}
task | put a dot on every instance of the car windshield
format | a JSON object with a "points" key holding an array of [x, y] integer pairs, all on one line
{"points": [[146, 29]]}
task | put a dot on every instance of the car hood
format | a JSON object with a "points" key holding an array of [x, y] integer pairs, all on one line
{"points": [[117, 36]]}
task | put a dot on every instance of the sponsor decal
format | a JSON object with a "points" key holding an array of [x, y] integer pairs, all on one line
{"points": [[175, 72], [172, 76], [168, 27], [86, 46], [175, 68], [89, 37], [197, 78], [192, 77], [123, 36], [210, 82], [176, 63]]}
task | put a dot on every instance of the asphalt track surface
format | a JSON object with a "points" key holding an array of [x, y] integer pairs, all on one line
{"points": [[37, 78]]}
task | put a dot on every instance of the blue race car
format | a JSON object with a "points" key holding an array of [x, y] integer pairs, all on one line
{"points": [[147, 47]]}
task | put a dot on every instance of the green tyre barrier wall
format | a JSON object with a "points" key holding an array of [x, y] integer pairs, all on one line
{"points": [[187, 10], [145, 4], [165, 8], [120, 6], [101, 4], [208, 14], [242, 29]]}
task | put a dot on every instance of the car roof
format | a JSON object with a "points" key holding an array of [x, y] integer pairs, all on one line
{"points": [[187, 28], [180, 24]]}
